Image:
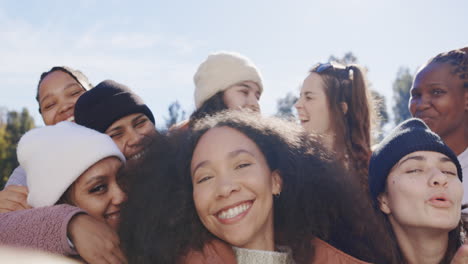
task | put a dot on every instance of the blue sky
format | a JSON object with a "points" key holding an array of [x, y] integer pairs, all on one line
{"points": [[154, 47]]}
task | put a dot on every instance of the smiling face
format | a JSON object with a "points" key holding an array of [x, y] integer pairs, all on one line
{"points": [[58, 93], [438, 98], [98, 193], [132, 134], [312, 106], [233, 189], [243, 95], [423, 191]]}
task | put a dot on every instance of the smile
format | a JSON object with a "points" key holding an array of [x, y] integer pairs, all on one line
{"points": [[70, 119], [138, 155], [233, 212], [112, 216]]}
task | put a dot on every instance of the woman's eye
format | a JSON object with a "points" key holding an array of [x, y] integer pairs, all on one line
{"points": [[204, 179], [115, 135], [77, 92], [141, 123], [49, 106], [98, 188], [438, 92], [450, 173], [413, 171], [243, 165]]}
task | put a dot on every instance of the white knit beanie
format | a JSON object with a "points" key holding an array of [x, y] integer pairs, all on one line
{"points": [[220, 71], [55, 156]]}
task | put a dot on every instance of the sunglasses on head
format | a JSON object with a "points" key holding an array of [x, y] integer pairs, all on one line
{"points": [[340, 70]]}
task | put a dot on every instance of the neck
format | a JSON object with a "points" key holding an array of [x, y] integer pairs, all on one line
{"points": [[420, 245], [457, 140]]}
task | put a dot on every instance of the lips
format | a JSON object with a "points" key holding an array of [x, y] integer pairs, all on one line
{"points": [[440, 201], [137, 156], [234, 213], [113, 217]]}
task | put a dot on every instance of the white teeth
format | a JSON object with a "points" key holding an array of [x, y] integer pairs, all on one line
{"points": [[235, 211], [137, 156], [71, 119]]}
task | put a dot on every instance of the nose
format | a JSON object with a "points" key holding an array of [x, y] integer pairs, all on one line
{"points": [[438, 178], [252, 102], [226, 187], [134, 137], [118, 195], [419, 104], [298, 103]]}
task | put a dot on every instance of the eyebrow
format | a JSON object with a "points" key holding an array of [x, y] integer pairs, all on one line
{"points": [[417, 157], [95, 179], [64, 88], [308, 93], [137, 117], [231, 155], [443, 159]]}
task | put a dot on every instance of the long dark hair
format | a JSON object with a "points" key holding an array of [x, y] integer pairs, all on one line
{"points": [[209, 107], [347, 84], [318, 198]]}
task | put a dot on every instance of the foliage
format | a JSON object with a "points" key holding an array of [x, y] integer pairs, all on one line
{"points": [[285, 105], [401, 95], [176, 114], [12, 127]]}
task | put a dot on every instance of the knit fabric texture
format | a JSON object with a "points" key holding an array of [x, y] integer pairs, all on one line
{"points": [[55, 156], [43, 228], [246, 256], [220, 71], [410, 136], [106, 103]]}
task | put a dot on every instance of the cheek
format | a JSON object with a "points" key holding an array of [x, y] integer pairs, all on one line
{"points": [[95, 206], [201, 198]]}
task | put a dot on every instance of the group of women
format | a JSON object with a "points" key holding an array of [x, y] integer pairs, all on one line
{"points": [[232, 186]]}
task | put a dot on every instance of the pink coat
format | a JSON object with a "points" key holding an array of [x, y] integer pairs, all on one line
{"points": [[43, 228]]}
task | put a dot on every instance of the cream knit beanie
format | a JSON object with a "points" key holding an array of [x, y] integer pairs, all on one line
{"points": [[55, 156], [220, 71]]}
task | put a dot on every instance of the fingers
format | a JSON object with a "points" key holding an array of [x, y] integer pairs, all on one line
{"points": [[13, 198], [18, 189]]}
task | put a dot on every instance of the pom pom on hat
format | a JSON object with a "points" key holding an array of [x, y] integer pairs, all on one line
{"points": [[106, 103], [410, 136], [55, 156], [220, 71]]}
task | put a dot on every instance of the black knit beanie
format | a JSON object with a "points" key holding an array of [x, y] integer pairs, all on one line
{"points": [[410, 136], [106, 103]]}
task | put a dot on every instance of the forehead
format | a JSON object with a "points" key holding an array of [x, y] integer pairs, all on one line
{"points": [[313, 82], [248, 84], [428, 157], [55, 82], [106, 167], [223, 140], [437, 73], [126, 120]]}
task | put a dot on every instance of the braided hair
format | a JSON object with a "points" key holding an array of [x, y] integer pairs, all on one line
{"points": [[458, 59]]}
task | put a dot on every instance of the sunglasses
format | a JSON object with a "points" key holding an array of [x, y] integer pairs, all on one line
{"points": [[340, 70]]}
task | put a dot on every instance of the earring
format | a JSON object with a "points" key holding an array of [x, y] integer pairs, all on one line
{"points": [[277, 195], [462, 233]]}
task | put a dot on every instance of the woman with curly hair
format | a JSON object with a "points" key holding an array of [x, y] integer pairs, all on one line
{"points": [[439, 96], [336, 103], [247, 189]]}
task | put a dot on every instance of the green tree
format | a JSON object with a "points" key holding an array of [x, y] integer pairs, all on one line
{"points": [[401, 95], [285, 106], [176, 114], [17, 123]]}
